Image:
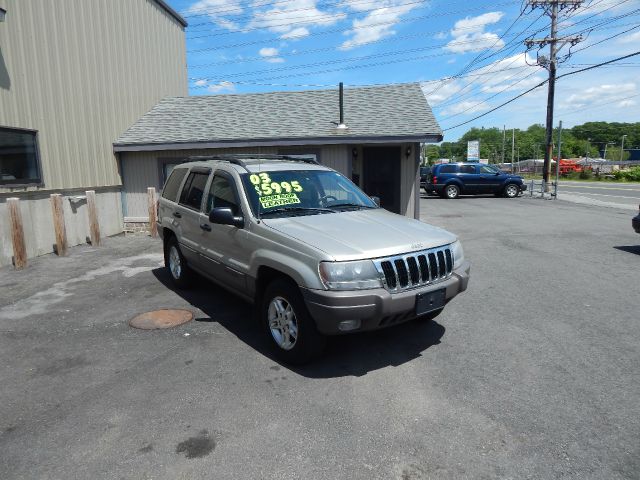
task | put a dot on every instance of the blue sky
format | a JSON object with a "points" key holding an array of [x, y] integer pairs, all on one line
{"points": [[240, 46]]}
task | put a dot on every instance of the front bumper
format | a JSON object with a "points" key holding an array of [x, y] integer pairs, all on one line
{"points": [[375, 308], [523, 187], [635, 222]]}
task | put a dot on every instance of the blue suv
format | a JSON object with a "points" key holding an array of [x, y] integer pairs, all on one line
{"points": [[450, 180]]}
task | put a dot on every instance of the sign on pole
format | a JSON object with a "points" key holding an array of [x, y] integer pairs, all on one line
{"points": [[473, 151]]}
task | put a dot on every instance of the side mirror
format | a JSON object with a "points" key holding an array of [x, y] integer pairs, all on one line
{"points": [[376, 200], [224, 216]]}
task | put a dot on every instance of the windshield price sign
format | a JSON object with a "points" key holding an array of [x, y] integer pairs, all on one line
{"points": [[275, 194]]}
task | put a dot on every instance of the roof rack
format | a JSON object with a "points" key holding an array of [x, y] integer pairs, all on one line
{"points": [[239, 158]]}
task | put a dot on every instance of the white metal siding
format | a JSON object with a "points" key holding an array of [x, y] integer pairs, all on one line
{"points": [[81, 72]]}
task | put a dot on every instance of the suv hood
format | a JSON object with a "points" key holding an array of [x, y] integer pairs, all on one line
{"points": [[361, 234]]}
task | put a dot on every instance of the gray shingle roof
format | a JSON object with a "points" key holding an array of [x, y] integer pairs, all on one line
{"points": [[369, 112]]}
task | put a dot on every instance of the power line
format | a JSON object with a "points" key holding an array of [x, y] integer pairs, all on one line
{"points": [[495, 63], [509, 87], [216, 33], [458, 98], [201, 12], [603, 104], [334, 47], [540, 85], [476, 59], [312, 17]]}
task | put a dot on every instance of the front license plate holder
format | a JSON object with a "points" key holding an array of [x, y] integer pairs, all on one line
{"points": [[430, 301]]}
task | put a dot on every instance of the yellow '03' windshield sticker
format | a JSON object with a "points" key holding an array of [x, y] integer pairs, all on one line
{"points": [[265, 186], [275, 194]]}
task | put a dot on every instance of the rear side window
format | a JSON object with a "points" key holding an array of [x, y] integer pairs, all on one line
{"points": [[448, 169], [170, 191], [194, 190], [467, 169]]}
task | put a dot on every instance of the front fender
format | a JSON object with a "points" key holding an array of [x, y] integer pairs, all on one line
{"points": [[302, 272]]}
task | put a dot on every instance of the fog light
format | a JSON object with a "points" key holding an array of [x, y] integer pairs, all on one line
{"points": [[347, 325]]}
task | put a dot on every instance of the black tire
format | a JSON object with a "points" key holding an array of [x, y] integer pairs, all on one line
{"points": [[180, 273], [308, 343], [511, 190], [451, 191]]}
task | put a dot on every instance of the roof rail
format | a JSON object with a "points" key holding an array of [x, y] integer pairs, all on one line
{"points": [[240, 158]]}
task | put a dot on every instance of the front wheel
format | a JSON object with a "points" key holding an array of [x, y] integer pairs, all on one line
{"points": [[511, 190], [289, 327], [451, 191]]}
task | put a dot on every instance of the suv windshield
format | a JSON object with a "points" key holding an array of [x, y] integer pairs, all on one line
{"points": [[302, 192]]}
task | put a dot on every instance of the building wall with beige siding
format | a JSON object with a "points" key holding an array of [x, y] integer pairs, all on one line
{"points": [[80, 72]]}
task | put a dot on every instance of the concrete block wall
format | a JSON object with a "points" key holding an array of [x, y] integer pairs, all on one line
{"points": [[38, 221]]}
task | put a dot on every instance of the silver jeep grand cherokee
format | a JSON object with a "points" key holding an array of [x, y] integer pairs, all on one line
{"points": [[314, 253]]}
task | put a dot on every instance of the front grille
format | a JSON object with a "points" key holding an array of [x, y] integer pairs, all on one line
{"points": [[403, 272]]}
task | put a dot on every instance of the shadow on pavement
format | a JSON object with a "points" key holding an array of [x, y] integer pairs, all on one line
{"points": [[629, 248], [348, 355]]}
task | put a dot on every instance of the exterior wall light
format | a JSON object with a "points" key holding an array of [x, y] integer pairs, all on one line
{"points": [[408, 152]]}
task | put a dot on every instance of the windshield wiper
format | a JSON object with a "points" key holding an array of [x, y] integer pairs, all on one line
{"points": [[297, 210], [356, 205]]}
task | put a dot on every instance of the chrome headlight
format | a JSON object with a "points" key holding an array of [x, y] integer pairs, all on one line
{"points": [[458, 254], [359, 275]]}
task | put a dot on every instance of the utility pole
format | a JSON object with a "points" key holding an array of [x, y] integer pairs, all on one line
{"points": [[606, 144], [552, 8], [513, 147], [622, 148], [559, 157], [504, 133]]}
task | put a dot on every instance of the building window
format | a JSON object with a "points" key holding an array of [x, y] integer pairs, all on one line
{"points": [[19, 163]]}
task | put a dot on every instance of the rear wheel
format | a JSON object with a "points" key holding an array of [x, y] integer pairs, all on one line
{"points": [[289, 327], [511, 190], [451, 191], [180, 273]]}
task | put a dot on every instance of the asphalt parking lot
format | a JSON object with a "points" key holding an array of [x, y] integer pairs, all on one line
{"points": [[534, 372]]}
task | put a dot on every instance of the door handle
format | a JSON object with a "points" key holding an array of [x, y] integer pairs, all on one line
{"points": [[177, 214], [205, 227]]}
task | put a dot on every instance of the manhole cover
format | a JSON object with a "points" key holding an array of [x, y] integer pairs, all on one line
{"points": [[161, 319]]}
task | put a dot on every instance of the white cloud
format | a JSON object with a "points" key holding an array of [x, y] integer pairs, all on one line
{"points": [[467, 95], [218, 10], [200, 83], [442, 93], [296, 33], [440, 35], [376, 24], [271, 55], [469, 34], [631, 38], [467, 106], [611, 93], [222, 87], [292, 18]]}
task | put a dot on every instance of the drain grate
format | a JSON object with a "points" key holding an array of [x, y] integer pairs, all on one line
{"points": [[161, 319]]}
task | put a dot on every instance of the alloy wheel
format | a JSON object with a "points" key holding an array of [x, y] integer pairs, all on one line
{"points": [[175, 263], [283, 323]]}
